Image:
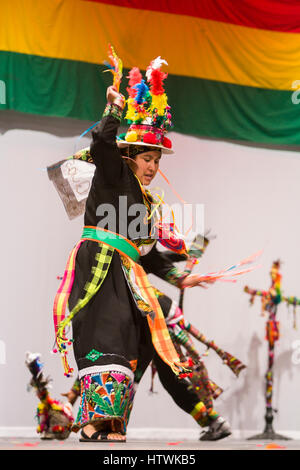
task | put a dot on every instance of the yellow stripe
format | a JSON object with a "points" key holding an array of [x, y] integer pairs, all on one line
{"points": [[199, 409], [60, 303], [62, 295], [196, 47]]}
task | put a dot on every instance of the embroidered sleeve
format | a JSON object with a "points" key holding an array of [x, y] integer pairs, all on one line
{"points": [[175, 276], [84, 155], [113, 110]]}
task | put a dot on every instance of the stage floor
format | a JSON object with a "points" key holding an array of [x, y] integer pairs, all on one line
{"points": [[230, 443]]}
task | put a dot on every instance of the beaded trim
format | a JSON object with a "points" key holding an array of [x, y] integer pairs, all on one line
{"points": [[174, 276], [114, 110]]}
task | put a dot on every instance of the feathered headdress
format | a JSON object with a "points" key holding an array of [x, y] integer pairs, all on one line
{"points": [[148, 112]]}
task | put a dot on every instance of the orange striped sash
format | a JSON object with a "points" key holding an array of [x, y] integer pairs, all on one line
{"points": [[159, 332]]}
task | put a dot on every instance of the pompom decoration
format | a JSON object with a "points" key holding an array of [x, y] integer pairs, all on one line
{"points": [[167, 143], [131, 136], [150, 138]]}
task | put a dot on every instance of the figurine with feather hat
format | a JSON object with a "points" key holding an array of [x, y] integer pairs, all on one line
{"points": [[54, 417]]}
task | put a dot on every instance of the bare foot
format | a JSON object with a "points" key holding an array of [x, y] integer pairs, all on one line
{"points": [[89, 430]]}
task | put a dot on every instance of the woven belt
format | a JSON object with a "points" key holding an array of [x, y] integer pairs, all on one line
{"points": [[112, 239]]}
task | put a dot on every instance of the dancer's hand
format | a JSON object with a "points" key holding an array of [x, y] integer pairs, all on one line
{"points": [[193, 280], [113, 96]]}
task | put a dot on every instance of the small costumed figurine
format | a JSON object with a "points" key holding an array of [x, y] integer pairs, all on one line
{"points": [[270, 301], [54, 418]]}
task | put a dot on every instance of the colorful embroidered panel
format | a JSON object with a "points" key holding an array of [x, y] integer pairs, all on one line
{"points": [[105, 396]]}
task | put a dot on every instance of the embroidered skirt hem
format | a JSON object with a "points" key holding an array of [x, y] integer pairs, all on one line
{"points": [[106, 396]]}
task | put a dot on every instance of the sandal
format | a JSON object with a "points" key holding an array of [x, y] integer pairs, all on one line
{"points": [[94, 437]]}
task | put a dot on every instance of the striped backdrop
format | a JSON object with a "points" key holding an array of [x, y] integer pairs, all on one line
{"points": [[233, 65]]}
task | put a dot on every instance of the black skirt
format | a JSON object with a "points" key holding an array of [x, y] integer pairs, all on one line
{"points": [[110, 323]]}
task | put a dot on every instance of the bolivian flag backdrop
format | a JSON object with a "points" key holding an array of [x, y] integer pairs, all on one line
{"points": [[234, 66]]}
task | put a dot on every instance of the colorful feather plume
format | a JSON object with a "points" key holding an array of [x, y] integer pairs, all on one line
{"points": [[115, 67], [152, 101], [156, 77], [148, 112], [138, 100], [142, 91], [135, 77]]}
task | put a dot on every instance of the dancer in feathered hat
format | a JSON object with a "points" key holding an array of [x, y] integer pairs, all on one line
{"points": [[115, 315]]}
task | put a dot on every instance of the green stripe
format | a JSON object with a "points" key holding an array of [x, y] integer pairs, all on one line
{"points": [[207, 108], [112, 239]]}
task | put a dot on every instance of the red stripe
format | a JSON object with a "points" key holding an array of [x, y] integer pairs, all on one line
{"points": [[274, 15]]}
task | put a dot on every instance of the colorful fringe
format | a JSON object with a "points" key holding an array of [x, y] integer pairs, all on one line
{"points": [[103, 259], [59, 307], [159, 331]]}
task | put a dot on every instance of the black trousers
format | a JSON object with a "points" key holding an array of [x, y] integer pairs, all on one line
{"points": [[178, 389]]}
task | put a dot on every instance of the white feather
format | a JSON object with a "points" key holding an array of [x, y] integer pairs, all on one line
{"points": [[155, 64]]}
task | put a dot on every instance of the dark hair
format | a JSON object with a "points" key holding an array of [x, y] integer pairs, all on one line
{"points": [[133, 150]]}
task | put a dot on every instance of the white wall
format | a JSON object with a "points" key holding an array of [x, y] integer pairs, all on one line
{"points": [[251, 197]]}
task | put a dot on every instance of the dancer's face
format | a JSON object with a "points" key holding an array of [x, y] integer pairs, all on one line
{"points": [[147, 166]]}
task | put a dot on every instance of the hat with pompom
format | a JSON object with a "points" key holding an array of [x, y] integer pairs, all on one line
{"points": [[148, 112]]}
